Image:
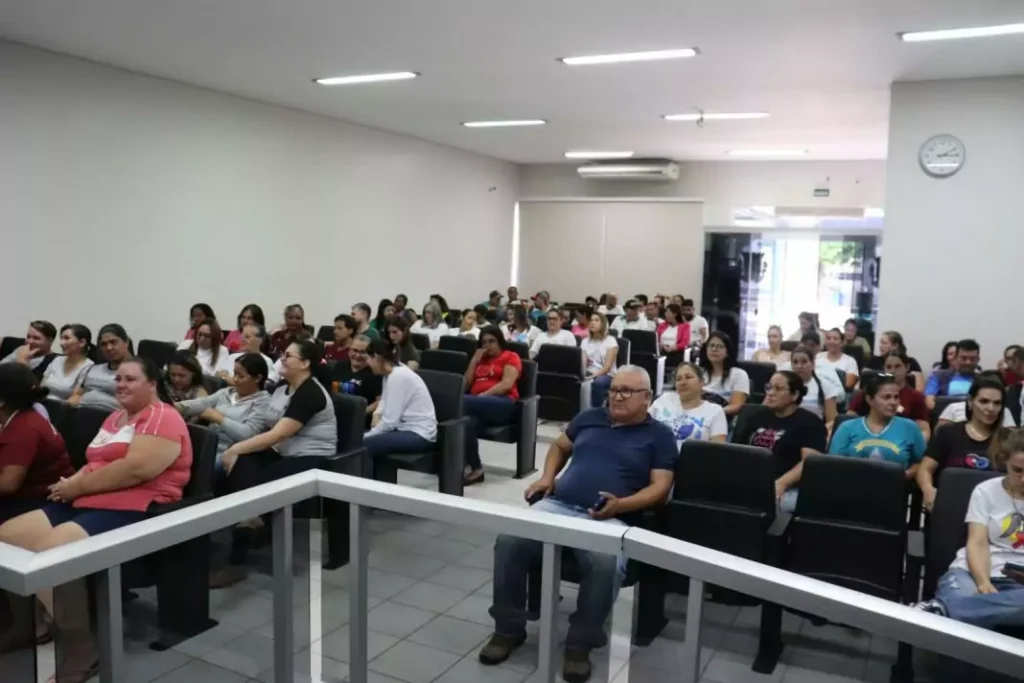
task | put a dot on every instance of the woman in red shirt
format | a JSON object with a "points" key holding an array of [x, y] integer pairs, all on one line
{"points": [[677, 329], [492, 394], [32, 453]]}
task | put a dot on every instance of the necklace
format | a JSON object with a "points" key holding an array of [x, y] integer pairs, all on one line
{"points": [[973, 432]]}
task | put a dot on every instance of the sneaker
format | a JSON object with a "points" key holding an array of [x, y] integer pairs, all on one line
{"points": [[931, 607], [471, 477], [228, 575], [576, 666], [499, 647]]}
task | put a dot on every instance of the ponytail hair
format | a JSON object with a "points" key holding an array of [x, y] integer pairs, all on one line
{"points": [[82, 333], [312, 350]]}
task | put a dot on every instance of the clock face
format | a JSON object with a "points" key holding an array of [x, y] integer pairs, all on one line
{"points": [[942, 156]]}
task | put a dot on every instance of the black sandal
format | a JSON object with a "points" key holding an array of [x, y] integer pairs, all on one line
{"points": [[470, 478]]}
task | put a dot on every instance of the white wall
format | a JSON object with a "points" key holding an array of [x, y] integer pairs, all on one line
{"points": [[127, 198], [952, 253], [727, 184]]}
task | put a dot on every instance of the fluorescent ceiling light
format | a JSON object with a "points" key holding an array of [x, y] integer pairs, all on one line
{"points": [[655, 55], [598, 155], [367, 78], [958, 33], [767, 152], [504, 124], [707, 116]]}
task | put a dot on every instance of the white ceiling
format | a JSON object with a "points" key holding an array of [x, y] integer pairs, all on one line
{"points": [[821, 67]]}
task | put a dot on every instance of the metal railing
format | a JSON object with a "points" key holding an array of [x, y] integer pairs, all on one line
{"points": [[25, 573]]}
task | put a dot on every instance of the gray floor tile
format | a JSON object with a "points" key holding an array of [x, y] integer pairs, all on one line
{"points": [[301, 628], [470, 670], [335, 644], [374, 677], [486, 589], [405, 564], [401, 539], [798, 674], [452, 635], [636, 673], [468, 579], [474, 608], [241, 608], [431, 597], [822, 661], [250, 655], [197, 670], [477, 537], [483, 558], [331, 671], [731, 667], [209, 640], [413, 663], [429, 527], [143, 665], [447, 550], [397, 620]]}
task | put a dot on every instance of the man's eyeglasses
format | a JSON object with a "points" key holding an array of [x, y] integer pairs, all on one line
{"points": [[624, 393], [357, 352]]}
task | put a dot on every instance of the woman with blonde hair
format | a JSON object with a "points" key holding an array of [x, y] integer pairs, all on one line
{"points": [[601, 351], [774, 353]]}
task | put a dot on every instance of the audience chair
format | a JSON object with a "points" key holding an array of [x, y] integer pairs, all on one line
{"points": [[857, 353], [642, 341], [522, 428], [789, 346], [455, 362], [941, 403], [760, 374], [466, 345], [930, 553], [159, 352], [80, 427], [325, 333], [213, 384], [624, 356], [835, 537], [420, 341], [840, 419], [714, 508], [563, 389], [644, 353], [1013, 402], [866, 330], [9, 345], [447, 458], [519, 348], [58, 411]]}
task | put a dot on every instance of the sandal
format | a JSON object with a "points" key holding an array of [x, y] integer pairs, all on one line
{"points": [[76, 676], [471, 477]]}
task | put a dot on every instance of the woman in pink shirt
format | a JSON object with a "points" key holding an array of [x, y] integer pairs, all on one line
{"points": [[250, 315], [674, 331]]}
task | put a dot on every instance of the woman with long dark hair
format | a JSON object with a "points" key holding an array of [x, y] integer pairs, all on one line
{"points": [[404, 421], [822, 391], [491, 393], [197, 314], [208, 348], [721, 375], [184, 377], [399, 337], [912, 405], [63, 373], [947, 359], [97, 385], [251, 314]]}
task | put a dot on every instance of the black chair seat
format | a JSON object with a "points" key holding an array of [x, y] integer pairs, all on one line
{"points": [[503, 433]]}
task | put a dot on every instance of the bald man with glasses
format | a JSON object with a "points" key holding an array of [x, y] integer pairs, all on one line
{"points": [[622, 462]]}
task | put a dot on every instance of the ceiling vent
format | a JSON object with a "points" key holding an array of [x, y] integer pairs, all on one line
{"points": [[652, 170]]}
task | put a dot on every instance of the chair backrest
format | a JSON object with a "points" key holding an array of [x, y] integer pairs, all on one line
{"points": [[941, 403], [350, 412], [204, 458], [1013, 402], [760, 374], [625, 347], [213, 384], [58, 412], [527, 383], [856, 352], [853, 490], [9, 345], [706, 471], [842, 378], [160, 352], [840, 419], [789, 345], [420, 341], [560, 360], [325, 333], [519, 348], [947, 531], [446, 390], [642, 341], [81, 427], [444, 361], [466, 345]]}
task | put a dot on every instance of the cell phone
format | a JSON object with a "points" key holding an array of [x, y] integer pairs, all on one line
{"points": [[535, 498], [599, 505], [1014, 567]]}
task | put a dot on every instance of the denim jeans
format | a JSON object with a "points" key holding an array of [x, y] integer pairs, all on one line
{"points": [[959, 594], [393, 443], [601, 578], [599, 390], [483, 411]]}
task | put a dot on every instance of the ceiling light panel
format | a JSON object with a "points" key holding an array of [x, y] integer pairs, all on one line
{"points": [[625, 57], [504, 124], [368, 78], [598, 155], [767, 152], [711, 116], [961, 33]]}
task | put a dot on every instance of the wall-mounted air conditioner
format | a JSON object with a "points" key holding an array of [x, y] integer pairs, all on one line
{"points": [[658, 170]]}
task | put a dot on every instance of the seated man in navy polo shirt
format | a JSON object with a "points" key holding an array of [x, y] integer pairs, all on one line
{"points": [[958, 379], [622, 462]]}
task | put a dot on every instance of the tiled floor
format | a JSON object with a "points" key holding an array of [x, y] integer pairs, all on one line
{"points": [[429, 592]]}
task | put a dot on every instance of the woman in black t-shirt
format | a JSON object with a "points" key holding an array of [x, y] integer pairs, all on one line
{"points": [[893, 341], [969, 444], [790, 433]]}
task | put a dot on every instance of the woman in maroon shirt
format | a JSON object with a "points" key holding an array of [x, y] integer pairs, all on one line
{"points": [[32, 453], [912, 405]]}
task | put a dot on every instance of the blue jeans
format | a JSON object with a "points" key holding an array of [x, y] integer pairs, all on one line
{"points": [[483, 411], [599, 390], [959, 594], [602, 576], [393, 443]]}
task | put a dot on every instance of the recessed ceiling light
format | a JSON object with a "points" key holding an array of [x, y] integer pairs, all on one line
{"points": [[767, 152], [708, 116], [958, 33], [504, 124], [367, 78], [598, 155], [655, 55]]}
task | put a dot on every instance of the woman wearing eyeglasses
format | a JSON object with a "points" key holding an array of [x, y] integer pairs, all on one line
{"points": [[686, 413], [554, 334], [791, 434], [209, 350], [882, 435], [722, 377], [492, 392], [971, 444]]}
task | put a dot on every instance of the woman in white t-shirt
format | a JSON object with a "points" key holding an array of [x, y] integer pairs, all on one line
{"points": [[979, 588], [554, 334], [430, 324], [520, 329], [467, 326], [834, 359], [721, 376], [601, 351], [62, 375], [208, 348], [821, 393], [688, 415], [957, 412]]}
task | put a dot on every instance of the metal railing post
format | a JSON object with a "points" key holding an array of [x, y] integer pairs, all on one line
{"points": [[550, 582], [284, 598], [691, 646], [110, 629], [358, 584]]}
